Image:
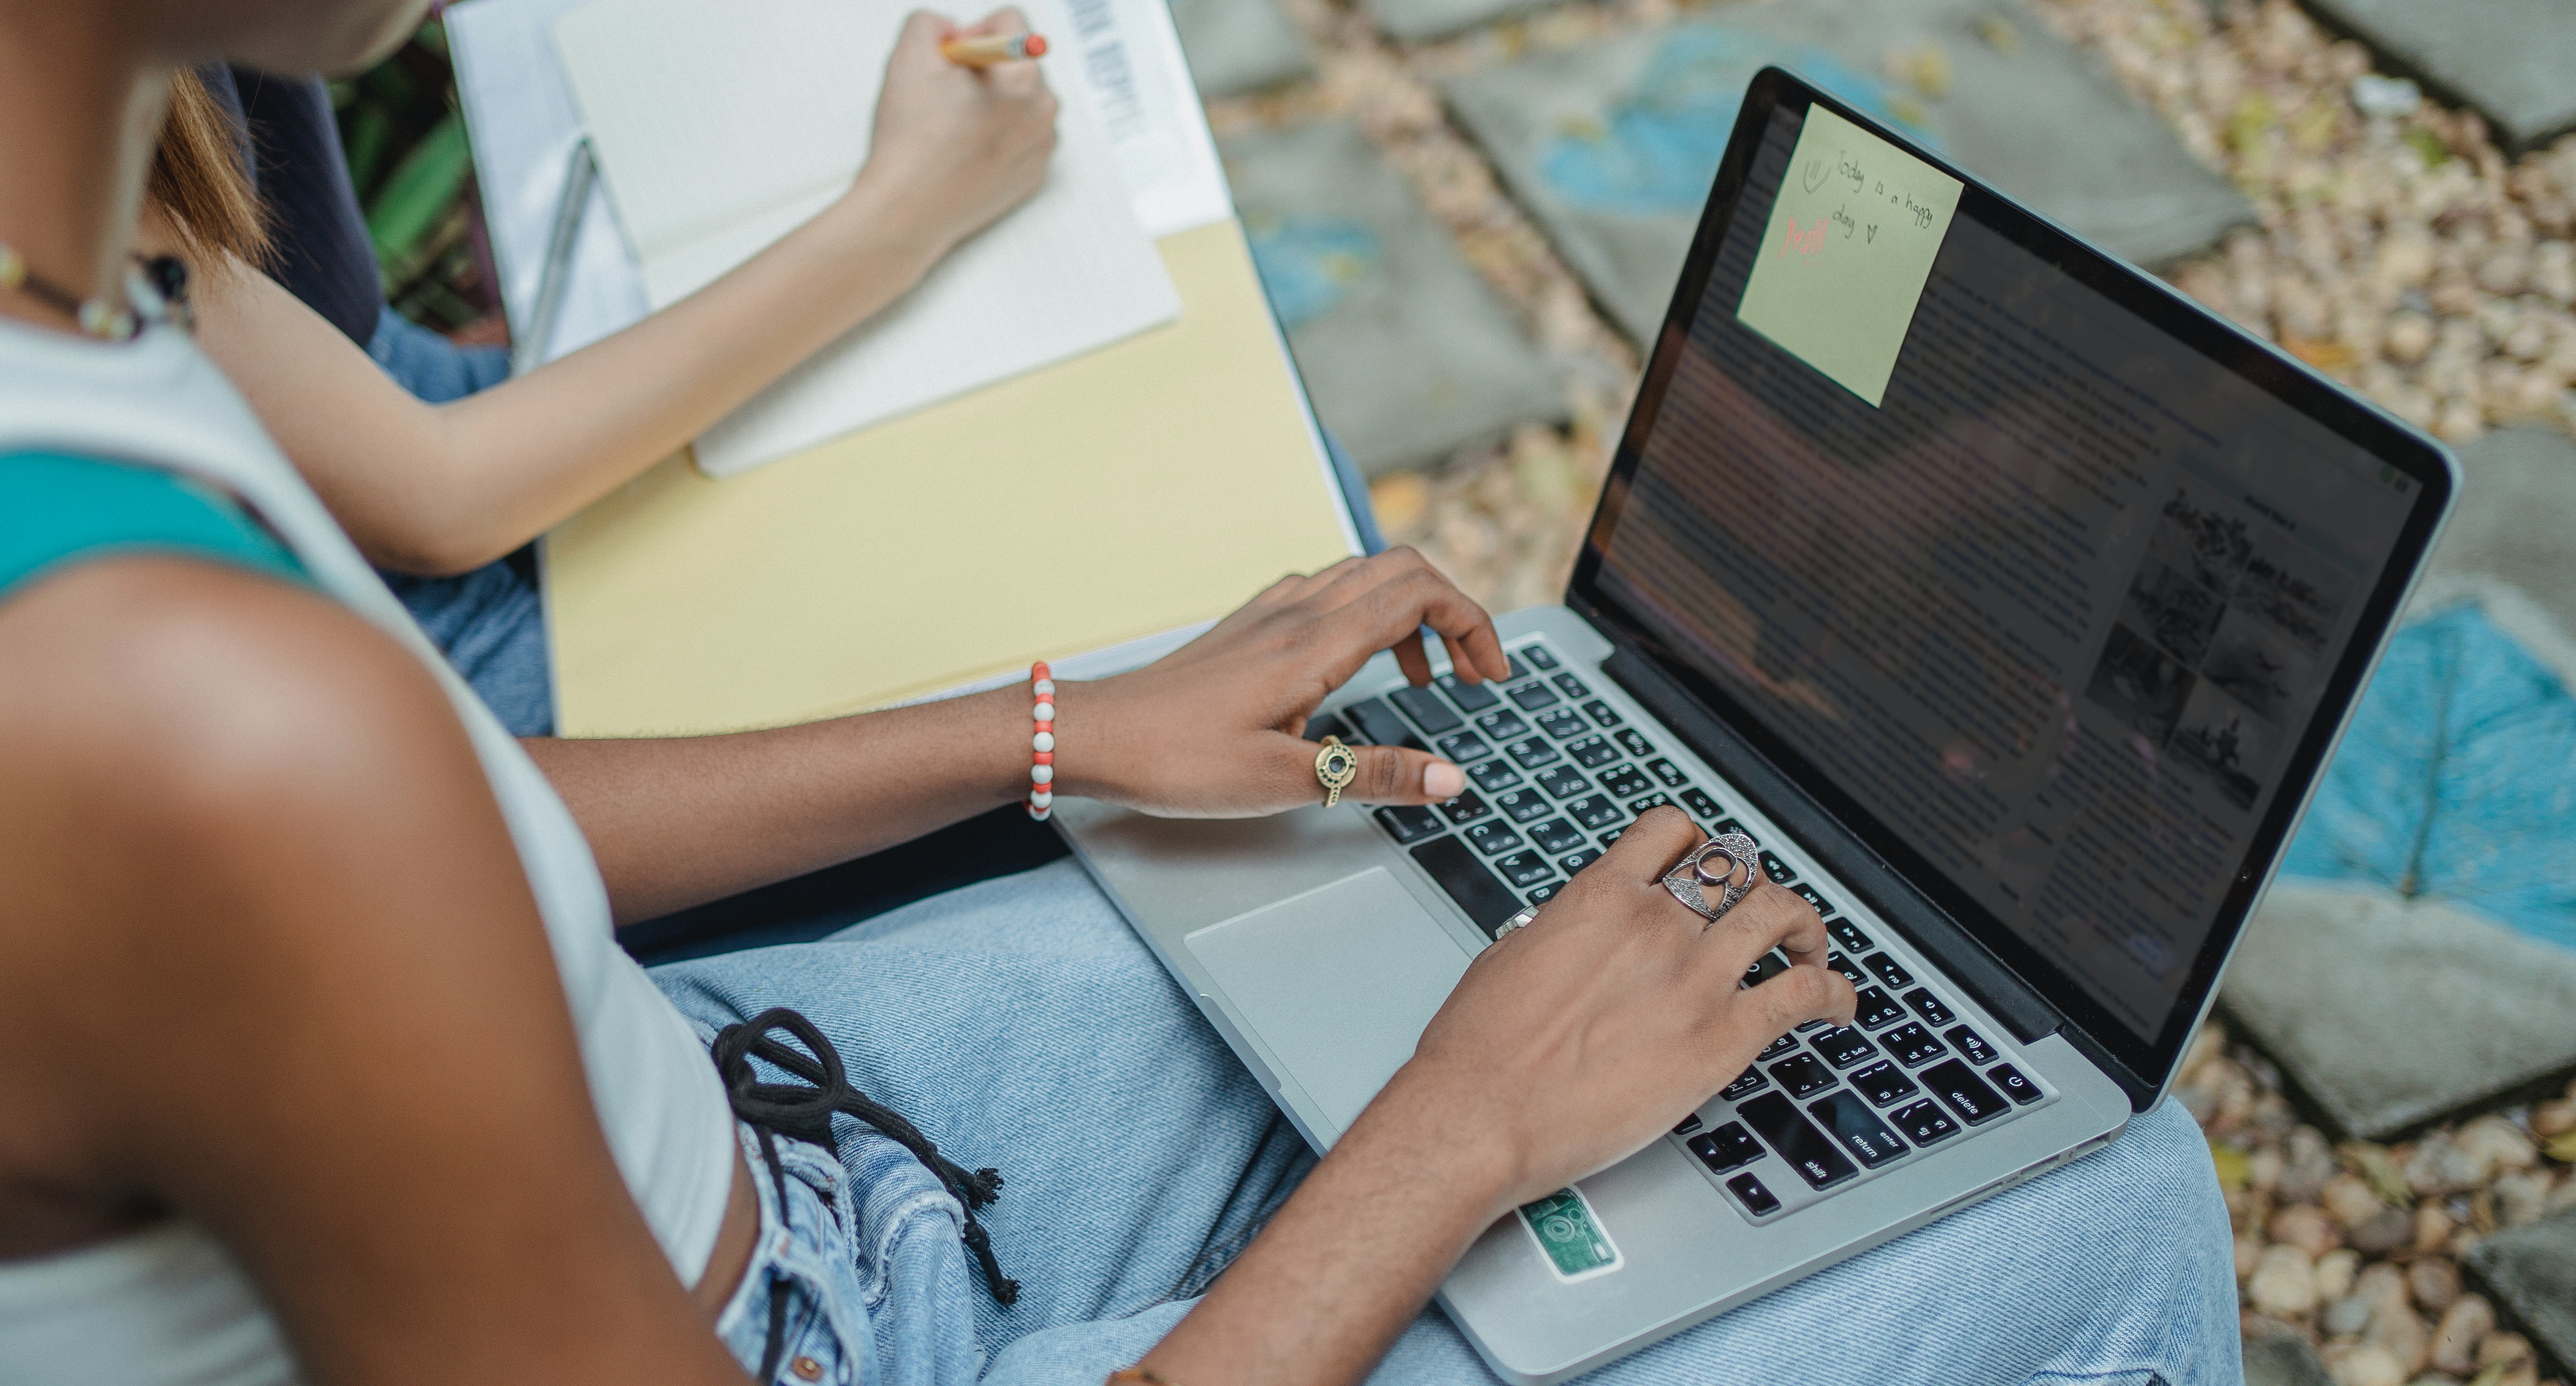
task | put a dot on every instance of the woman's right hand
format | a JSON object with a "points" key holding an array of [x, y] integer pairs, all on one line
{"points": [[1576, 1040], [955, 147]]}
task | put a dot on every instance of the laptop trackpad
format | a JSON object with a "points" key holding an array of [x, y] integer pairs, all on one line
{"points": [[1338, 983]]}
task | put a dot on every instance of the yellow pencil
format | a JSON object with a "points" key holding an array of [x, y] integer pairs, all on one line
{"points": [[994, 48]]}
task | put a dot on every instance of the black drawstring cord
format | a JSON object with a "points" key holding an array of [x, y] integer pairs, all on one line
{"points": [[806, 1114]]}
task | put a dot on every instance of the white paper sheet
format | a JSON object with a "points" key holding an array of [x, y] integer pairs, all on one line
{"points": [[722, 125]]}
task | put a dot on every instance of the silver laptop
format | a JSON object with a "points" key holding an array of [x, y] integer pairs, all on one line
{"points": [[2016, 631]]}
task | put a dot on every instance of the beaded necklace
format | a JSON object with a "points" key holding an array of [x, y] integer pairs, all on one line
{"points": [[162, 288]]}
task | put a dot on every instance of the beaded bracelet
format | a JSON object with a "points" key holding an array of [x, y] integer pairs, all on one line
{"points": [[1042, 741]]}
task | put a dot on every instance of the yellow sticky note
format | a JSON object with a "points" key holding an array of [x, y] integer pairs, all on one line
{"points": [[1852, 236]]}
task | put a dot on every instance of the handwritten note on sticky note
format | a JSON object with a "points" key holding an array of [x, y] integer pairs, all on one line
{"points": [[1852, 236]]}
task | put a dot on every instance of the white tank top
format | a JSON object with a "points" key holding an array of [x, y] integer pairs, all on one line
{"points": [[169, 1307]]}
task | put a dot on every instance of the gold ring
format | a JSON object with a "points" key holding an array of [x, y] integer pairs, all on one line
{"points": [[1335, 767]]}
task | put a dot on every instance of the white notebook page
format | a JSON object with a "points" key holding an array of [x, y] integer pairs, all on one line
{"points": [[720, 125]]}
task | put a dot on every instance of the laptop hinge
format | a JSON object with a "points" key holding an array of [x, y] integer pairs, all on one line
{"points": [[1861, 872]]}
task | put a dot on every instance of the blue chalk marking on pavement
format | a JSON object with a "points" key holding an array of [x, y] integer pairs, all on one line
{"points": [[1308, 264]]}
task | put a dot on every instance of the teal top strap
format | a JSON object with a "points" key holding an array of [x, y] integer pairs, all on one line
{"points": [[56, 510]]}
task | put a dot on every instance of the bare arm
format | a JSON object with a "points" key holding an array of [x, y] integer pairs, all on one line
{"points": [[268, 961], [1213, 730], [446, 488]]}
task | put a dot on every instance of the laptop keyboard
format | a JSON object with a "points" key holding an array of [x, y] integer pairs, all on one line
{"points": [[1555, 774]]}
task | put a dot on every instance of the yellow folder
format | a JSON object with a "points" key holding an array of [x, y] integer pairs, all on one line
{"points": [[1150, 485]]}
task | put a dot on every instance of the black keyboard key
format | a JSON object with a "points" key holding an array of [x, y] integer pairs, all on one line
{"points": [[1592, 752], [1486, 900], [1756, 1199], [1562, 724], [1324, 724], [1595, 812], [1556, 836], [1533, 696], [1522, 805], [1700, 803], [1626, 782], [1689, 1124], [1728, 1147], [1777, 869], [1493, 837], [1601, 712], [1427, 709], [1750, 1080], [1635, 742], [1377, 723], [1883, 1083], [1843, 1046], [1929, 1007], [1775, 1119], [1823, 906], [1658, 799], [1572, 862], [1611, 837], [1764, 968], [1803, 1074], [2016, 1087], [1464, 746], [1848, 935], [1778, 1047], [1959, 1085], [1538, 656], [1668, 773], [1845, 966], [1858, 1128], [1493, 776], [1564, 782], [1409, 823], [1532, 752], [1525, 869], [1888, 970], [1503, 725], [1571, 687], [1474, 697], [1876, 1008], [1809, 1026], [1466, 808], [1546, 892], [1974, 1045], [1925, 1122], [1912, 1045]]}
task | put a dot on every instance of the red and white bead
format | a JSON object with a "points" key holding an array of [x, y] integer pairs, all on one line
{"points": [[1041, 741]]}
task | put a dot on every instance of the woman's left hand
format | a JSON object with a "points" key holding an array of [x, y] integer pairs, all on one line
{"points": [[1215, 729]]}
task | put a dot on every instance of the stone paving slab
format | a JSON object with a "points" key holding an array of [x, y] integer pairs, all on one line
{"points": [[1613, 146], [1407, 353], [2531, 1269], [1239, 46], [2457, 779], [2514, 60]]}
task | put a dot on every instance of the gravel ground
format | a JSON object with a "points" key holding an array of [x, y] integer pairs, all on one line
{"points": [[2399, 251]]}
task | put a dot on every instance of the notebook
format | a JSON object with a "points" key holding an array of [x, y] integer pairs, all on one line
{"points": [[720, 127]]}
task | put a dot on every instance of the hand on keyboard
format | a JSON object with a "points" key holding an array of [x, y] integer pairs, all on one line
{"points": [[1587, 1034], [1214, 729]]}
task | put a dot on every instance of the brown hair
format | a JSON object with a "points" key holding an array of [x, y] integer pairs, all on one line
{"points": [[198, 180]]}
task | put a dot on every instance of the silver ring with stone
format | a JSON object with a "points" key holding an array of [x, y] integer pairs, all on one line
{"points": [[1516, 923], [1697, 874]]}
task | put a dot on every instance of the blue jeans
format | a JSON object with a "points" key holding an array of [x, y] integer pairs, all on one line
{"points": [[1021, 1024], [491, 623]]}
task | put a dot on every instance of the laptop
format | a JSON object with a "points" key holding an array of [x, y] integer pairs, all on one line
{"points": [[2010, 600]]}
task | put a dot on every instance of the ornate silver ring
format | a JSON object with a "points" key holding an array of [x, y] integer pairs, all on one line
{"points": [[1711, 868]]}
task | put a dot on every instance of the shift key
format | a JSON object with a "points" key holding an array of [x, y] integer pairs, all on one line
{"points": [[1776, 1120]]}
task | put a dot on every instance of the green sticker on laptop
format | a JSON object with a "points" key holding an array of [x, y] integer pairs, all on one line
{"points": [[1572, 1239]]}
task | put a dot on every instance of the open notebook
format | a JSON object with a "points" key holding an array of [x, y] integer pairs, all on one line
{"points": [[721, 125]]}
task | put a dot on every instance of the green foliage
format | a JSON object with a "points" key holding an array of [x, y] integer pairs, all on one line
{"points": [[413, 173]]}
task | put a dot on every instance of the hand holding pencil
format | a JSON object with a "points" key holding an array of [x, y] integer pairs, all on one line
{"points": [[965, 127]]}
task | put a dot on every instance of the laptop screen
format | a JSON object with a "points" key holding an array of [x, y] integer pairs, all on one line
{"points": [[2025, 569]]}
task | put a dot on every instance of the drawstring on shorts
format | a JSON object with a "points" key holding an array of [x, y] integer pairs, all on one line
{"points": [[805, 1113]]}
